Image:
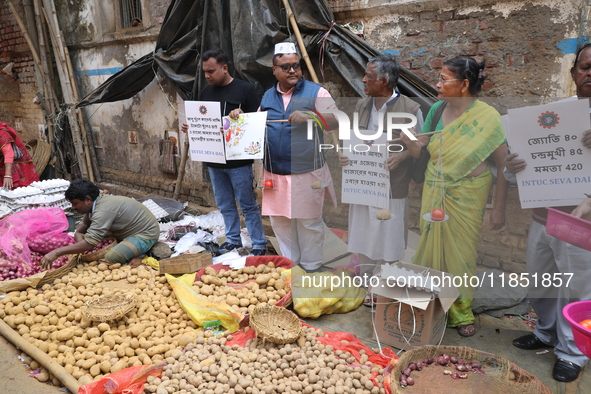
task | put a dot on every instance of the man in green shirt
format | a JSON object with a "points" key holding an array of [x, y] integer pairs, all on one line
{"points": [[130, 222]]}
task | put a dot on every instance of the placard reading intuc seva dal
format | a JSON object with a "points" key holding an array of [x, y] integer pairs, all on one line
{"points": [[548, 138], [206, 142], [366, 180]]}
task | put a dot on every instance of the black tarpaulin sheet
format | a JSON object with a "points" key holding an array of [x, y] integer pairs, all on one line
{"points": [[247, 30]]}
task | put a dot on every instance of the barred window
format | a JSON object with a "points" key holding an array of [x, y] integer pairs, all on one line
{"points": [[131, 13]]}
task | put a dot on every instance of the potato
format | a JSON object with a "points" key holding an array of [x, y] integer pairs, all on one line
{"points": [[64, 335], [42, 310], [93, 332], [262, 279]]}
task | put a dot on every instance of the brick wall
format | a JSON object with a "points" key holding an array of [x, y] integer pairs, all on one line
{"points": [[16, 95]]}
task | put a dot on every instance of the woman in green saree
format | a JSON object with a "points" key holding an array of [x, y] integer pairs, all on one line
{"points": [[460, 180]]}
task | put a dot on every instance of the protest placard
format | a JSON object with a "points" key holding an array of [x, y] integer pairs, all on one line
{"points": [[245, 137], [205, 139], [366, 180], [548, 138]]}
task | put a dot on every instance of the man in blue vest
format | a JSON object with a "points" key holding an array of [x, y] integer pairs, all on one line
{"points": [[294, 164]]}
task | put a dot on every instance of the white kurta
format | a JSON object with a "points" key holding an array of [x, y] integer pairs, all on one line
{"points": [[378, 239]]}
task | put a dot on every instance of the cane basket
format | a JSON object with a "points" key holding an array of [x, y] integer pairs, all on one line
{"points": [[275, 324], [109, 307], [500, 375], [40, 151], [99, 254], [50, 276]]}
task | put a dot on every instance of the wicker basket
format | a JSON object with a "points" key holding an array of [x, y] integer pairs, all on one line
{"points": [[40, 151], [275, 324], [99, 254], [109, 307], [500, 375], [50, 276]]}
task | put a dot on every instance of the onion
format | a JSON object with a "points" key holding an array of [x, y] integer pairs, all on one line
{"points": [[461, 367], [410, 381], [407, 371], [455, 375], [403, 383], [453, 360], [412, 366], [429, 361], [476, 364], [441, 361]]}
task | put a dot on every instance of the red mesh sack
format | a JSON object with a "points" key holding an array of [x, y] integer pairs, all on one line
{"points": [[18, 228], [127, 381], [279, 261]]}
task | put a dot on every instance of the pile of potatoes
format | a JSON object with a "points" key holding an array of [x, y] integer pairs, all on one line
{"points": [[51, 319], [264, 285], [209, 366]]}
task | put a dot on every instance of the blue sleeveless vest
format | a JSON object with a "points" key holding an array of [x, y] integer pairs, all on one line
{"points": [[288, 150]]}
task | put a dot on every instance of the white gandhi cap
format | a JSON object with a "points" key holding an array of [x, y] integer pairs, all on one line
{"points": [[285, 48]]}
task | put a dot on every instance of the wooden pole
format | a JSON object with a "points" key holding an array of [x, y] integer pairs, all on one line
{"points": [[67, 90], [91, 160], [296, 30], [74, 91], [181, 175], [41, 357], [21, 25]]}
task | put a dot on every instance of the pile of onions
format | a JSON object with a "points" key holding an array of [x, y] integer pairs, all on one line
{"points": [[45, 243], [13, 270], [103, 244], [444, 360]]}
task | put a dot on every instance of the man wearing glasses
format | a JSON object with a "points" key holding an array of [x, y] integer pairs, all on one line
{"points": [[293, 161]]}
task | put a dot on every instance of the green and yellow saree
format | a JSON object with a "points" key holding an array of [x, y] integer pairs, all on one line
{"points": [[452, 246]]}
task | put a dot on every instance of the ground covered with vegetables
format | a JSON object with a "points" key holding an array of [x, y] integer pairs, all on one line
{"points": [[160, 333]]}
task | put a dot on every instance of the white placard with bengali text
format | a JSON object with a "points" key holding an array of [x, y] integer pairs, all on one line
{"points": [[245, 136], [366, 180], [548, 138], [206, 142]]}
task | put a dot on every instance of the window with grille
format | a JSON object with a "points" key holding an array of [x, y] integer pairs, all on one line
{"points": [[131, 13]]}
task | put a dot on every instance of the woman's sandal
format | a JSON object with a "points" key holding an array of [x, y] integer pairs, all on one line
{"points": [[466, 330]]}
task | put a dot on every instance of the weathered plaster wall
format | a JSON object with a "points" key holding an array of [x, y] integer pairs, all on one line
{"points": [[16, 94], [528, 47], [99, 49]]}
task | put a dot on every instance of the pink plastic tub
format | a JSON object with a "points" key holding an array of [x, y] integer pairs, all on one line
{"points": [[569, 228], [575, 313]]}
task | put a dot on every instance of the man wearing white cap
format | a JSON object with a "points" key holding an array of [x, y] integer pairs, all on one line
{"points": [[293, 163]]}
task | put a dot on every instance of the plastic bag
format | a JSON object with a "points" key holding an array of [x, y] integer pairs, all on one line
{"points": [[18, 228], [213, 221], [191, 239], [324, 293], [184, 244], [126, 381], [201, 309], [45, 243]]}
